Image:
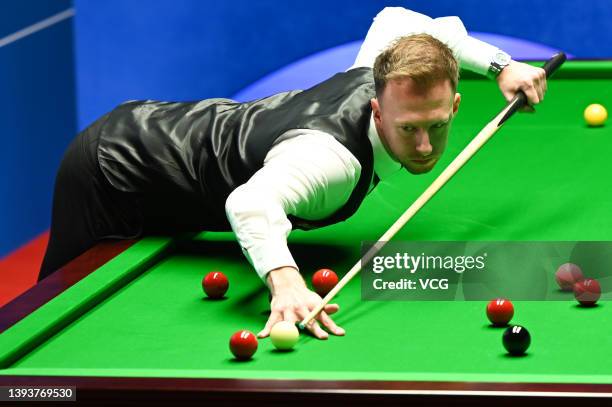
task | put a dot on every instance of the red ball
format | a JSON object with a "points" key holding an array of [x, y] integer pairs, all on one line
{"points": [[587, 292], [243, 344], [500, 311], [323, 281], [567, 275], [215, 284]]}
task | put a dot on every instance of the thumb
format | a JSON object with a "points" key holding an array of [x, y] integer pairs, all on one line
{"points": [[508, 95], [273, 319]]}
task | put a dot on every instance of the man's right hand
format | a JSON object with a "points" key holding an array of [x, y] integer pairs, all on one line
{"points": [[520, 76], [292, 301]]}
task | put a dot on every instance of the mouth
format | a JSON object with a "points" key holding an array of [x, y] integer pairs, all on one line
{"points": [[423, 161]]}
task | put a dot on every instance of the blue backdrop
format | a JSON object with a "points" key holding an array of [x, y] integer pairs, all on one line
{"points": [[37, 115], [194, 49]]}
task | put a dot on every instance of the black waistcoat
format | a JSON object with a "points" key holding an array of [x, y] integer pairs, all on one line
{"points": [[201, 151]]}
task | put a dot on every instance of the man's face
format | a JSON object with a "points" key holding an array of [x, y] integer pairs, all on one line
{"points": [[413, 123]]}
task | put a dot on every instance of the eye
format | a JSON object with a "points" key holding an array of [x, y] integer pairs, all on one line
{"points": [[408, 129], [439, 125]]}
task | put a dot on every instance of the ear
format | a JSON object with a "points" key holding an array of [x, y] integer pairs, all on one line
{"points": [[456, 102], [376, 111]]}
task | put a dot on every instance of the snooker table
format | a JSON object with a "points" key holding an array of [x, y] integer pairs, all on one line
{"points": [[127, 320]]}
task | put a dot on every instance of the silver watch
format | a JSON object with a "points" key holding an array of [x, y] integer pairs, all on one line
{"points": [[500, 60]]}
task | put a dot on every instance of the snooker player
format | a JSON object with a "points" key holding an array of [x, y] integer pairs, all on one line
{"points": [[300, 159]]}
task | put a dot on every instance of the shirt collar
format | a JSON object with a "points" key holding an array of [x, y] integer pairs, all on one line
{"points": [[384, 165]]}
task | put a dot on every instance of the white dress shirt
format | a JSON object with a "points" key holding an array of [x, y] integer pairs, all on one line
{"points": [[308, 173]]}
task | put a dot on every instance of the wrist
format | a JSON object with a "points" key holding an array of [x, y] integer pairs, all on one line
{"points": [[283, 277], [505, 73], [499, 62]]}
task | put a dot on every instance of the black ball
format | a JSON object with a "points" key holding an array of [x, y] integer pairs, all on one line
{"points": [[516, 340]]}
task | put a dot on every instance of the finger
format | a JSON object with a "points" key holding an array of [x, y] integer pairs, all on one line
{"points": [[540, 88], [273, 319], [313, 326], [508, 95], [532, 94], [317, 331], [330, 324], [290, 316], [331, 308], [543, 79]]}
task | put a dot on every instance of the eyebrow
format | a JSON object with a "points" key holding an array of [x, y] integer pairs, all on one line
{"points": [[404, 124]]}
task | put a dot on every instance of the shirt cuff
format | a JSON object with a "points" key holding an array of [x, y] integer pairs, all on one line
{"points": [[476, 55], [269, 256]]}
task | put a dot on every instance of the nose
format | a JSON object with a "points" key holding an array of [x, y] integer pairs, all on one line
{"points": [[423, 146]]}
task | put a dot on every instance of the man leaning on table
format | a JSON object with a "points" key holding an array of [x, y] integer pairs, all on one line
{"points": [[301, 159]]}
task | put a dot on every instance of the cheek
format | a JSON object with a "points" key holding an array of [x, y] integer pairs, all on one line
{"points": [[439, 140], [404, 148]]}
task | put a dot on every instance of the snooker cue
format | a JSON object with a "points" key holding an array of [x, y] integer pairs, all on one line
{"points": [[468, 152]]}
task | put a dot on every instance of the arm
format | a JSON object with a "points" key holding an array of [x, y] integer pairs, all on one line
{"points": [[472, 54], [309, 176], [394, 22]]}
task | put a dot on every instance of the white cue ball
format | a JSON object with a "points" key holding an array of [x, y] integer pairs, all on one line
{"points": [[284, 335]]}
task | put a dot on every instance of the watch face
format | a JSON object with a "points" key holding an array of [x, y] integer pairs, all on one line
{"points": [[501, 58]]}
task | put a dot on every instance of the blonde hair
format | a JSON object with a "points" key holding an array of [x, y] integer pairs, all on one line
{"points": [[419, 57]]}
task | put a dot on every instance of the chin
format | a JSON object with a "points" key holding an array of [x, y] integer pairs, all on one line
{"points": [[420, 169]]}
